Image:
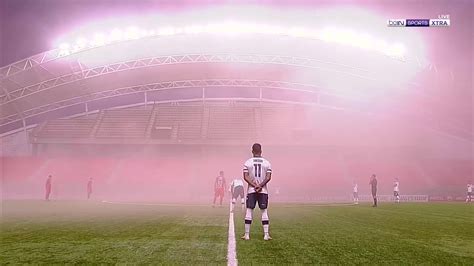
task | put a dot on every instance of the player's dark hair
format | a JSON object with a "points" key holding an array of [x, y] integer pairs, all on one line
{"points": [[256, 148]]}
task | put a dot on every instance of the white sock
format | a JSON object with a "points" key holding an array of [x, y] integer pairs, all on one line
{"points": [[248, 221], [265, 221], [247, 229], [265, 229]]}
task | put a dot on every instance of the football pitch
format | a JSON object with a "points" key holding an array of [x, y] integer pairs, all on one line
{"points": [[59, 232]]}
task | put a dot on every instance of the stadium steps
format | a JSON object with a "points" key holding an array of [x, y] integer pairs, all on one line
{"points": [[97, 124], [124, 123], [231, 122], [205, 123], [67, 128], [276, 119], [151, 122], [258, 122], [185, 122]]}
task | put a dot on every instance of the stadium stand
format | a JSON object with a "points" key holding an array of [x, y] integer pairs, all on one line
{"points": [[79, 127], [183, 122], [236, 122], [124, 123]]}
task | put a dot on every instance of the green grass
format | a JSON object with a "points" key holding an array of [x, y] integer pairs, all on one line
{"points": [[431, 234], [92, 233], [99, 233]]}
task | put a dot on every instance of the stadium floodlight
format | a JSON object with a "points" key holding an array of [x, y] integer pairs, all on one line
{"points": [[381, 46], [219, 28], [150, 33], [98, 40], [64, 46], [340, 36], [396, 49], [193, 29], [233, 28], [299, 32], [245, 27], [344, 36], [116, 35], [165, 31], [79, 44], [364, 41], [64, 49], [132, 33]]}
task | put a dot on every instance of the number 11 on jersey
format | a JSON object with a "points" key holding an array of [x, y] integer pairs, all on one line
{"points": [[257, 169]]}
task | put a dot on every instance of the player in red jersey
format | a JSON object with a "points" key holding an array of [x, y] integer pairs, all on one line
{"points": [[219, 186]]}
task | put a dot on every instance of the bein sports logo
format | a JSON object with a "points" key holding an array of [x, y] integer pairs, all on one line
{"points": [[441, 21]]}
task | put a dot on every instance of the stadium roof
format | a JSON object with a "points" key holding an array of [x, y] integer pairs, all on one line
{"points": [[330, 67], [51, 80]]}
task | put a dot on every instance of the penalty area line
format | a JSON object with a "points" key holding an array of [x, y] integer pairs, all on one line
{"points": [[231, 249], [309, 204], [154, 204]]}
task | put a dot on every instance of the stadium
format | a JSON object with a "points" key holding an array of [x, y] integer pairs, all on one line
{"points": [[132, 118]]}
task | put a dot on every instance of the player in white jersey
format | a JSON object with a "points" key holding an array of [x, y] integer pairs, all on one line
{"points": [[469, 192], [355, 193], [237, 190], [257, 173], [396, 190]]}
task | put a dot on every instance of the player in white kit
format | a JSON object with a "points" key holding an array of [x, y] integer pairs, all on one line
{"points": [[257, 173], [396, 190], [469, 192], [355, 193], [237, 190]]}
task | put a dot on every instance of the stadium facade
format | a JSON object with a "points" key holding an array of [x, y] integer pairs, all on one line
{"points": [[204, 94]]}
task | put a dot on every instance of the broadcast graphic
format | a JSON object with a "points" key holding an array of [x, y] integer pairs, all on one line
{"points": [[441, 21]]}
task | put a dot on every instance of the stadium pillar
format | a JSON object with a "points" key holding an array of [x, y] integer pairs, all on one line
{"points": [[34, 149]]}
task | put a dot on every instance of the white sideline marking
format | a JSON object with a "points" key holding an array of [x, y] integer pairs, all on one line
{"points": [[231, 251]]}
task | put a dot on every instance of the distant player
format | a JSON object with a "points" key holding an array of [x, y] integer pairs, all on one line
{"points": [[277, 192], [48, 187], [373, 186], [89, 188], [396, 190], [219, 186], [257, 173], [469, 192], [355, 193], [237, 190]]}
